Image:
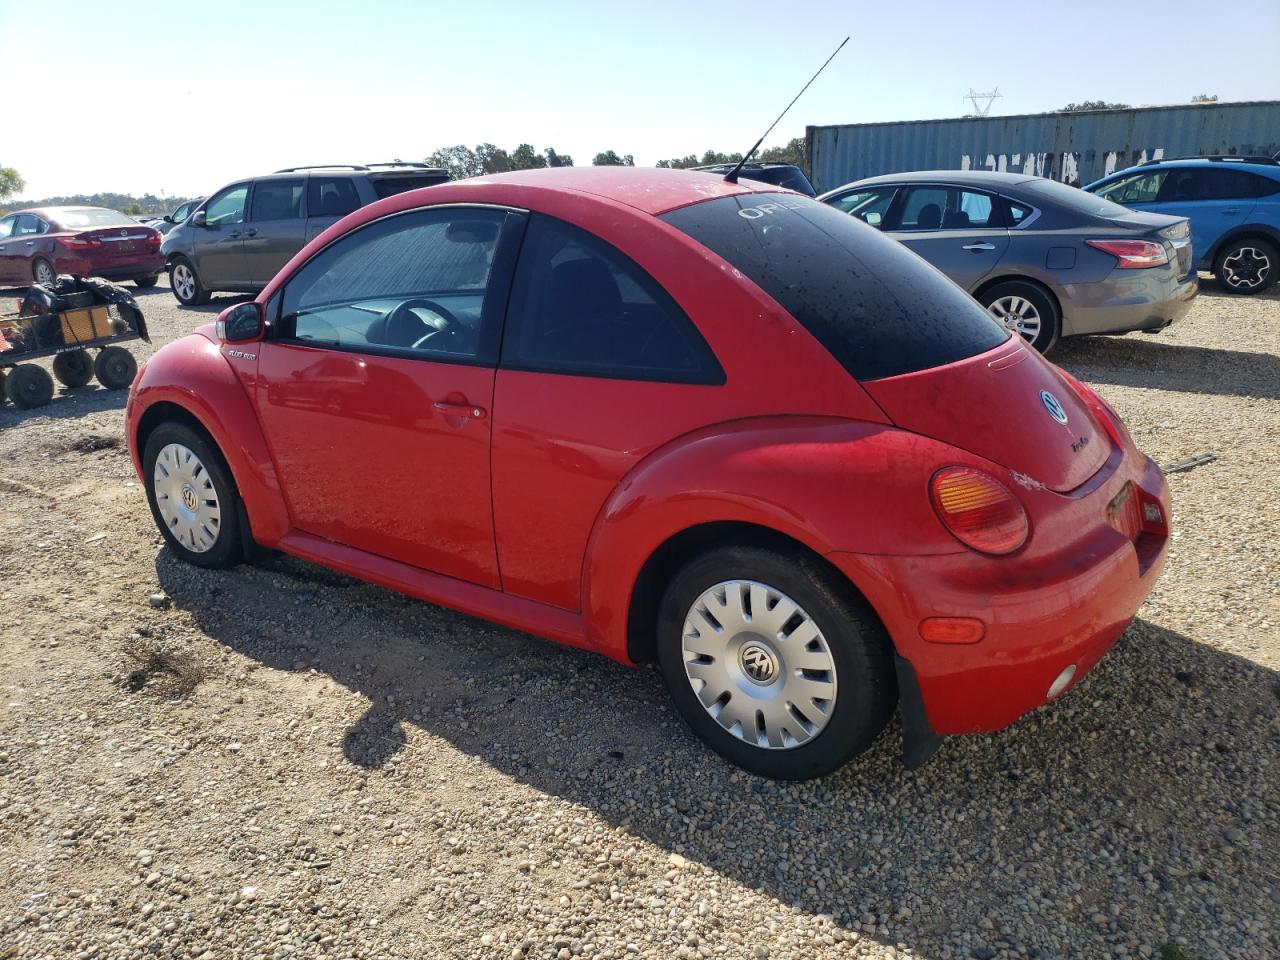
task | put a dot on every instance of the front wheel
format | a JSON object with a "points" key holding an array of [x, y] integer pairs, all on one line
{"points": [[192, 496], [774, 662], [186, 283], [1247, 266], [1025, 309]]}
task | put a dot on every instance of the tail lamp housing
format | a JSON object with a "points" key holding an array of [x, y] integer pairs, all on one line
{"points": [[1133, 254], [81, 243], [979, 510]]}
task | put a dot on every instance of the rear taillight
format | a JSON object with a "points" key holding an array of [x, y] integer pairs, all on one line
{"points": [[153, 240], [1102, 411], [979, 510], [81, 243], [1133, 254]]}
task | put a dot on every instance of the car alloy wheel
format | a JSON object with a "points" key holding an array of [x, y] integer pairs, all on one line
{"points": [[44, 273], [1246, 268], [184, 282], [186, 498], [1018, 315], [759, 664]]}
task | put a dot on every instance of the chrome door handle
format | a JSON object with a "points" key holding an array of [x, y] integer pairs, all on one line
{"points": [[460, 409], [251, 233], [31, 243], [979, 246]]}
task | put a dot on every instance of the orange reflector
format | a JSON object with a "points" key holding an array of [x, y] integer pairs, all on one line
{"points": [[952, 629]]}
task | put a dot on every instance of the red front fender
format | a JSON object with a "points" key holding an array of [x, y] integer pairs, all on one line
{"points": [[192, 374]]}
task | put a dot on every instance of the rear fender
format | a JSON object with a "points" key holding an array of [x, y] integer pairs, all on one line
{"points": [[192, 374], [825, 483]]}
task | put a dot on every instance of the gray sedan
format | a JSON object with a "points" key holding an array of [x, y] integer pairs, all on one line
{"points": [[1045, 259]]}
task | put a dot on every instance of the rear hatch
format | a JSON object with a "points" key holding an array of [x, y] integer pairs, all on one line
{"points": [[121, 242], [1007, 405]]}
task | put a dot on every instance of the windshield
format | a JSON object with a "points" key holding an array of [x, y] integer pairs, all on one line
{"points": [[91, 217], [878, 308], [1072, 198]]}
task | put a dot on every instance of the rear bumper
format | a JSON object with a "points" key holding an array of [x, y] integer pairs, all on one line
{"points": [[1041, 617], [126, 268], [1128, 300]]}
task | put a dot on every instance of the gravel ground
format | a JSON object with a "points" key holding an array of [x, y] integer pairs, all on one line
{"points": [[276, 761]]}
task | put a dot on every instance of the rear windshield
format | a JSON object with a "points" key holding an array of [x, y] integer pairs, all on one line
{"points": [[877, 307], [390, 186], [790, 177], [1072, 198], [93, 218]]}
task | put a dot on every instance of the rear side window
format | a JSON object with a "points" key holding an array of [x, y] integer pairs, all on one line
{"points": [[389, 186], [946, 208], [277, 200], [331, 197], [879, 309], [580, 306]]}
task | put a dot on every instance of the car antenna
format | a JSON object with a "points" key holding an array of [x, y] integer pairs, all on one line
{"points": [[732, 175]]}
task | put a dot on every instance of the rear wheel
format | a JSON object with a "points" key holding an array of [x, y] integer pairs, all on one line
{"points": [[1025, 309], [29, 386], [145, 283], [115, 368], [186, 283], [42, 272], [192, 495], [773, 662], [73, 368], [1247, 266]]}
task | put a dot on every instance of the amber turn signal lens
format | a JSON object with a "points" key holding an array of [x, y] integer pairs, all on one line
{"points": [[979, 510], [952, 630]]}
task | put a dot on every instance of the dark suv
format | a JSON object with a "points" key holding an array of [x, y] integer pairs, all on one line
{"points": [[779, 174], [242, 235]]}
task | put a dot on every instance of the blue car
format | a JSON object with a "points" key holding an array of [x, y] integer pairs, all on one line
{"points": [[1233, 204]]}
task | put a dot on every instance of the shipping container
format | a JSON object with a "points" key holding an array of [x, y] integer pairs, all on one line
{"points": [[1076, 148]]}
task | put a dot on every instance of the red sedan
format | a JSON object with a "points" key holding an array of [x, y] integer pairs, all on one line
{"points": [[38, 244], [662, 416]]}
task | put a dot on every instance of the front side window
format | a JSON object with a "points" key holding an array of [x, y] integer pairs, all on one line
{"points": [[580, 306], [416, 284], [227, 207], [874, 305], [1137, 188], [331, 197], [6, 227], [277, 199], [869, 206]]}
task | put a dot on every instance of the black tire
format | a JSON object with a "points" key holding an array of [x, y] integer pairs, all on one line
{"points": [[866, 687], [191, 294], [42, 271], [145, 283], [227, 549], [115, 368], [29, 386], [73, 368], [1046, 309], [1247, 261]]}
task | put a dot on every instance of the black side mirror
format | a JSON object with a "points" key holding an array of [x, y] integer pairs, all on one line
{"points": [[241, 324], [199, 219], [167, 218]]}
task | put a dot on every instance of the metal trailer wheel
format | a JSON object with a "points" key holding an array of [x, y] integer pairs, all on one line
{"points": [[115, 368], [73, 368], [29, 386]]}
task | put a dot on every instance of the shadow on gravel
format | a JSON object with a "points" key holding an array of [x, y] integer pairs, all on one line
{"points": [[1128, 812], [1140, 360], [66, 404]]}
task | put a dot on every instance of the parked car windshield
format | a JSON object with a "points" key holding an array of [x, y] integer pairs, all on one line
{"points": [[93, 218], [879, 309], [1072, 198]]}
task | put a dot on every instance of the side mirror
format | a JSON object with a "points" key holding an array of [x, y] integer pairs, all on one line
{"points": [[167, 218], [199, 219], [241, 323]]}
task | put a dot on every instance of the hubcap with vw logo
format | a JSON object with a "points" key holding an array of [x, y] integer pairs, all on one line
{"points": [[759, 664], [186, 498]]}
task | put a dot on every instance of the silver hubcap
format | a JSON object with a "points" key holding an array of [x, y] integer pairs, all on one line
{"points": [[1247, 268], [44, 273], [184, 281], [1018, 315], [759, 665], [186, 498]]}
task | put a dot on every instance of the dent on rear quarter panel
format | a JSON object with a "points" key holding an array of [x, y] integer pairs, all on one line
{"points": [[193, 374]]}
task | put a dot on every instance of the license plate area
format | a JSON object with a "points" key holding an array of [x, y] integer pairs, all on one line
{"points": [[1124, 512]]}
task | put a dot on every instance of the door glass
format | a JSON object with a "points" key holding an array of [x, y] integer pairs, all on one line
{"points": [[277, 200], [331, 197], [27, 226], [413, 285], [946, 208], [227, 207], [580, 306], [868, 206], [6, 227], [1138, 188]]}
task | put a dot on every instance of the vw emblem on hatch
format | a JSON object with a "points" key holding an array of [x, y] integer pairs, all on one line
{"points": [[758, 663], [1054, 406]]}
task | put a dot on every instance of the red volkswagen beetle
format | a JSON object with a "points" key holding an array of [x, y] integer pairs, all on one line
{"points": [[662, 416]]}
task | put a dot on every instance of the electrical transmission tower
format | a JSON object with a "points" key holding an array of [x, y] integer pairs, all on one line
{"points": [[974, 96]]}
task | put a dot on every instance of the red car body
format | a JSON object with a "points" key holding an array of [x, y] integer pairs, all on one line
{"points": [[42, 242], [550, 503]]}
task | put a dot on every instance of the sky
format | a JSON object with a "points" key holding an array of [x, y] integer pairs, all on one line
{"points": [[179, 98]]}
